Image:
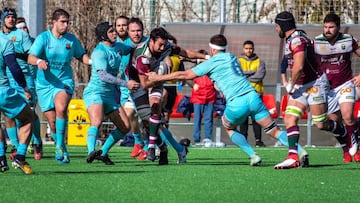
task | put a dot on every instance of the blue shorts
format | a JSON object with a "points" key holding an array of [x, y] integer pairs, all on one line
{"points": [[46, 94], [11, 103], [125, 94], [106, 99], [30, 85], [250, 104]]}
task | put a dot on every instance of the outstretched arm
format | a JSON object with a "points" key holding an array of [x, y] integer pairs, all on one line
{"points": [[178, 75]]}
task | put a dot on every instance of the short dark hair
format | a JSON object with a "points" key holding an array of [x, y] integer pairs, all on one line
{"points": [[136, 21], [248, 42], [159, 32], [122, 17], [203, 51], [219, 40], [59, 12], [332, 17]]}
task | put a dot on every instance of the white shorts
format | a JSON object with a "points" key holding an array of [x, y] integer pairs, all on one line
{"points": [[311, 93], [343, 93]]}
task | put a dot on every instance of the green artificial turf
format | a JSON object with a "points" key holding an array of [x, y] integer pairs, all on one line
{"points": [[211, 175]]}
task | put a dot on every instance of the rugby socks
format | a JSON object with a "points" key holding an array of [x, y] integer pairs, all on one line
{"points": [[36, 137], [60, 125], [169, 139], [2, 148], [12, 134], [293, 135], [340, 134], [91, 138], [351, 130], [21, 149], [53, 136], [114, 136], [242, 143], [284, 140], [154, 123], [137, 138]]}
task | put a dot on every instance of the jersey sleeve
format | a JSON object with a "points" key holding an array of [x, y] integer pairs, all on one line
{"points": [[99, 60], [79, 50], [37, 48], [142, 65], [202, 68], [298, 44], [26, 42]]}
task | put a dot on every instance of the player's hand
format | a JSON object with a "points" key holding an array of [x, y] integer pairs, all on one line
{"points": [[356, 80], [41, 64], [28, 95], [290, 88], [152, 76], [132, 85]]}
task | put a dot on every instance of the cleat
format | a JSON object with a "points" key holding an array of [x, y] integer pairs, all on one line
{"points": [[30, 149], [59, 154], [353, 148], [92, 156], [142, 156], [292, 161], [12, 153], [182, 156], [105, 159], [255, 160], [260, 144], [163, 157], [65, 160], [304, 159], [151, 154], [347, 157], [38, 151], [3, 164], [186, 143], [357, 156], [136, 150], [23, 165]]}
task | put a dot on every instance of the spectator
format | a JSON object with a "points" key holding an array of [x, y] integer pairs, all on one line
{"points": [[254, 70], [203, 97]]}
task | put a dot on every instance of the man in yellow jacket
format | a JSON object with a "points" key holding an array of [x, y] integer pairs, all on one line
{"points": [[255, 71]]}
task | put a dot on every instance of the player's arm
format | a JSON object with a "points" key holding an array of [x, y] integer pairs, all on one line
{"points": [[10, 61], [356, 79], [178, 75], [86, 59], [296, 71], [192, 54]]}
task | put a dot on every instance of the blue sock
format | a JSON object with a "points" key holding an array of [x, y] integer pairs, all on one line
{"points": [[146, 144], [60, 125], [137, 138], [168, 138], [241, 142], [21, 149], [36, 137], [12, 134], [114, 136], [53, 136], [2, 148], [92, 135], [284, 140]]}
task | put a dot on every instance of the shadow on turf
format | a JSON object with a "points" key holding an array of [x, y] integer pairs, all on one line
{"points": [[93, 172]]}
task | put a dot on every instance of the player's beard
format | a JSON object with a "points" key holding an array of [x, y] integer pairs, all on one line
{"points": [[329, 36], [282, 34]]}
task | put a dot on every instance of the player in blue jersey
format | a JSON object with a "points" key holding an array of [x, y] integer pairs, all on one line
{"points": [[13, 106], [22, 44], [52, 51], [99, 94], [241, 98]]}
